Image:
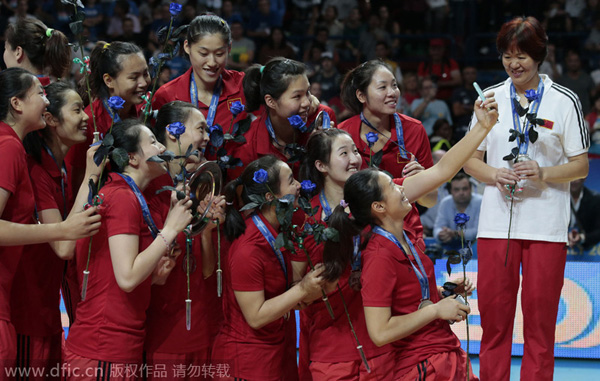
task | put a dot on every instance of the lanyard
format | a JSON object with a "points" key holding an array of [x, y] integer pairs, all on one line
{"points": [[399, 133], [214, 101], [356, 261], [421, 275], [534, 106], [271, 131], [113, 115], [143, 204], [269, 237], [63, 179]]}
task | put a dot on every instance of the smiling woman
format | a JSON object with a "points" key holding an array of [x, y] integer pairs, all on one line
{"points": [[22, 106], [117, 69]]}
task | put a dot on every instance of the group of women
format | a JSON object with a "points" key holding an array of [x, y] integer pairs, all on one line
{"points": [[375, 277]]}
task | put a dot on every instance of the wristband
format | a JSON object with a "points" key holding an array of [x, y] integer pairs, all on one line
{"points": [[169, 246]]}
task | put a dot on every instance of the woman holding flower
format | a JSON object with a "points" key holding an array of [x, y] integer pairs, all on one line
{"points": [[259, 295], [208, 84], [539, 146], [118, 80], [177, 345], [402, 305], [280, 91], [371, 92], [42, 268], [22, 107], [328, 347], [129, 254]]}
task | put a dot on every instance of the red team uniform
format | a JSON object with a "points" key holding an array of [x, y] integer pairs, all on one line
{"points": [[19, 208], [247, 353], [109, 331], [39, 277]]}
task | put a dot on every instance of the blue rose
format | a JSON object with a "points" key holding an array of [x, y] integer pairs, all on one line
{"points": [[308, 186], [531, 95], [260, 177], [176, 129], [116, 103], [236, 108], [297, 122], [174, 9], [372, 138], [460, 219]]}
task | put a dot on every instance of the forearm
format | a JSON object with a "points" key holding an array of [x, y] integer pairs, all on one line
{"points": [[576, 168], [275, 308], [429, 200], [418, 111], [480, 170], [14, 234], [398, 327]]}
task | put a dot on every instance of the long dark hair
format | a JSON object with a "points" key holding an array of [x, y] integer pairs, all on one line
{"points": [[234, 222], [359, 78], [318, 148], [45, 48], [107, 59], [176, 111], [360, 191], [14, 82], [273, 79]]}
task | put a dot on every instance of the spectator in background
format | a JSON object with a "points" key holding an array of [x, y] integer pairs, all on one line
{"points": [[262, 21], [276, 46], [442, 68], [392, 27], [344, 7], [370, 36], [584, 227], [463, 99], [577, 80], [428, 108], [437, 15], [460, 200], [331, 21], [313, 60], [329, 78], [129, 34], [241, 54], [228, 13], [409, 92], [550, 67], [382, 51], [441, 138], [593, 118], [94, 17], [115, 22]]}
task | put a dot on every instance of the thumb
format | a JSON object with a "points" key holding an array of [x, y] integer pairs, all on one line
{"points": [[412, 157]]}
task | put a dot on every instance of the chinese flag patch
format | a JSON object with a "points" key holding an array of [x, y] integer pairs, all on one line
{"points": [[230, 101], [547, 124]]}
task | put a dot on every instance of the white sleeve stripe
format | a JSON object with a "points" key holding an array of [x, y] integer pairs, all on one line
{"points": [[583, 130]]}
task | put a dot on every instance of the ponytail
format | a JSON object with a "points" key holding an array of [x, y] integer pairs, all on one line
{"points": [[44, 47]]}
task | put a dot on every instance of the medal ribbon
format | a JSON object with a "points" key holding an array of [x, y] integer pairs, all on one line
{"points": [[214, 101], [269, 237], [63, 179], [145, 210], [421, 275], [399, 133], [534, 106]]}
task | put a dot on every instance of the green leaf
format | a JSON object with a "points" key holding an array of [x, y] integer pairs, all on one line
{"points": [[249, 206], [120, 157], [305, 205], [376, 159], [239, 139], [280, 241], [243, 126], [228, 137], [315, 210], [331, 234], [258, 199]]}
